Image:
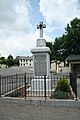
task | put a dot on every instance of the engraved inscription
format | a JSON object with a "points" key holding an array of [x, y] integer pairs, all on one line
{"points": [[40, 65]]}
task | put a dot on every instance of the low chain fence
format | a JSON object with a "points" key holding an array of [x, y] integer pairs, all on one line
{"points": [[22, 85]]}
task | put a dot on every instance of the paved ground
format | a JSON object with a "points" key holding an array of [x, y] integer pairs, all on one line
{"points": [[14, 70], [14, 111]]}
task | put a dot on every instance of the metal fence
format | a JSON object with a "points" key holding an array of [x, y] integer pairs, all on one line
{"points": [[10, 84], [22, 85]]}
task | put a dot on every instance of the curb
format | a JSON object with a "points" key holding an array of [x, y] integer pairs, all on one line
{"points": [[36, 102]]}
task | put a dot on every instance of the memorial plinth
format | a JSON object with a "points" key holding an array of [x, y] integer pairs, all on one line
{"points": [[41, 61], [38, 85]]}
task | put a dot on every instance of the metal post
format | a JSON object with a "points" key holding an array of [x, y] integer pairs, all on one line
{"points": [[0, 85], [73, 83], [76, 87], [16, 80], [25, 84], [45, 86]]}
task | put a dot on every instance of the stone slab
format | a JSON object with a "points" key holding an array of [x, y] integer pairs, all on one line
{"points": [[40, 49], [41, 43], [39, 85], [40, 65]]}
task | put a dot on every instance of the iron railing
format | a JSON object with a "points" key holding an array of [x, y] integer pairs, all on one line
{"points": [[22, 85]]}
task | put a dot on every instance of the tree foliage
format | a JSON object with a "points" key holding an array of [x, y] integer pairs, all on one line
{"points": [[10, 61], [2, 60], [69, 43], [10, 57], [50, 45]]}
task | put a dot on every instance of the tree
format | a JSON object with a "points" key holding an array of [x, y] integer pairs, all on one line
{"points": [[72, 37], [10, 61], [59, 49], [2, 60], [16, 62], [10, 57], [50, 45], [69, 43]]}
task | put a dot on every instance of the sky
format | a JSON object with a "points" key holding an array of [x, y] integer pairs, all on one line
{"points": [[19, 18]]}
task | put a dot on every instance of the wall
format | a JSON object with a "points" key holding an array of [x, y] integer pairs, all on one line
{"points": [[59, 68], [26, 63]]}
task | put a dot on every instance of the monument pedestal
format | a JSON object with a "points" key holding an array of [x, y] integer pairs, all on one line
{"points": [[41, 61], [39, 85]]}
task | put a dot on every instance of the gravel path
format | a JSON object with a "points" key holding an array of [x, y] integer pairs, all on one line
{"points": [[16, 111]]}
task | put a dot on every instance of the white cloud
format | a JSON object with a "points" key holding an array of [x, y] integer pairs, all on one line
{"points": [[17, 44], [59, 12], [14, 15], [15, 27], [37, 36]]}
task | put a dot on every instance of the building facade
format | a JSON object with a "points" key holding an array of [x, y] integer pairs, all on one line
{"points": [[25, 61], [74, 64]]}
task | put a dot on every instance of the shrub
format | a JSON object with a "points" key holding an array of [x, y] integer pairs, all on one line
{"points": [[15, 94], [60, 95], [62, 90], [62, 85]]}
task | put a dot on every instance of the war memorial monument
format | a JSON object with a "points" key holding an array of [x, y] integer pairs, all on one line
{"points": [[41, 63], [41, 55]]}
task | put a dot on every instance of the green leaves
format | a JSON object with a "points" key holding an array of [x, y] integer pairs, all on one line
{"points": [[9, 61], [50, 45], [68, 44], [62, 85]]}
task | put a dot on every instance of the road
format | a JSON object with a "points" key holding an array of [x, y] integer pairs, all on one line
{"points": [[14, 111]]}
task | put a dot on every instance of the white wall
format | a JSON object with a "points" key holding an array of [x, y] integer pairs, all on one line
{"points": [[53, 66], [26, 63], [59, 68], [64, 70]]}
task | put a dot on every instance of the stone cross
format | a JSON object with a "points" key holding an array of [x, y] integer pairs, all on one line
{"points": [[41, 26]]}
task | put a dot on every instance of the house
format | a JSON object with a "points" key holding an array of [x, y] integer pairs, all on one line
{"points": [[25, 61], [74, 63]]}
